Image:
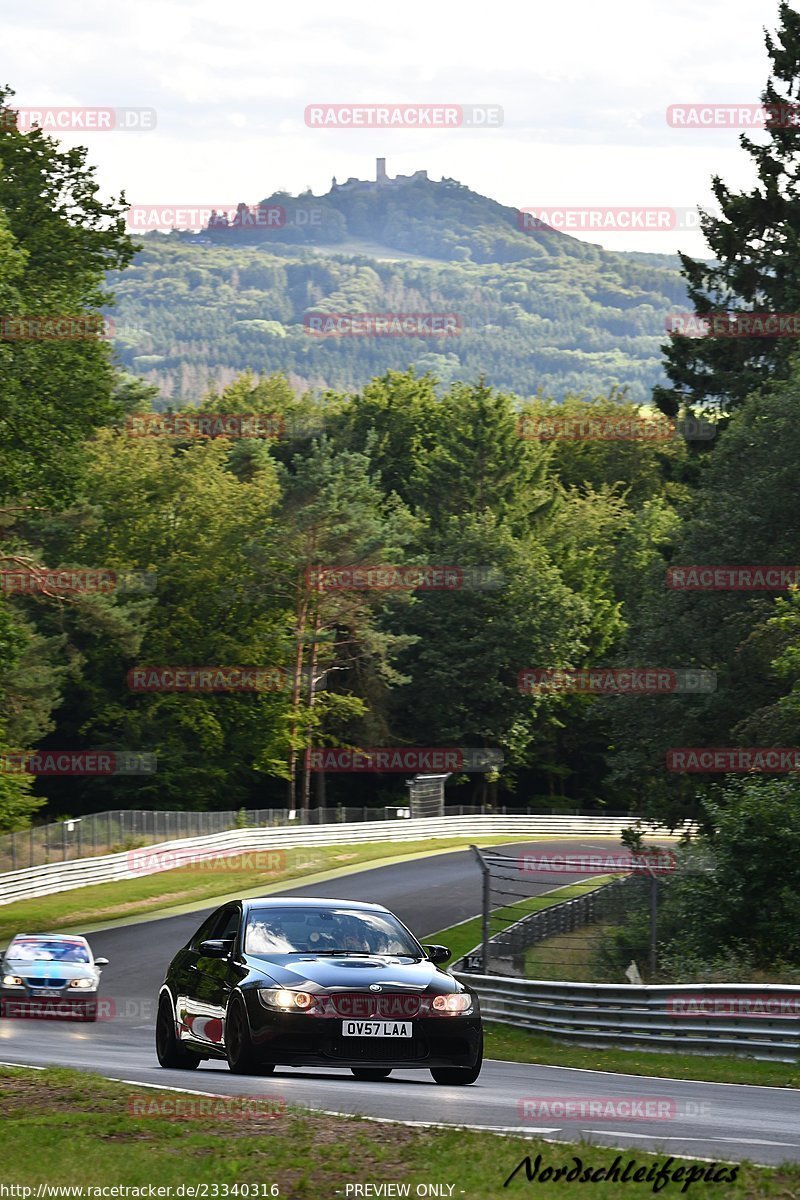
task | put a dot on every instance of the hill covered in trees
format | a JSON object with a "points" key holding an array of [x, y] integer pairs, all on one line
{"points": [[537, 310]]}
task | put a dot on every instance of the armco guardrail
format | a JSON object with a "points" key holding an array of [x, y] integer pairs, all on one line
{"points": [[60, 877], [760, 1020], [109, 832]]}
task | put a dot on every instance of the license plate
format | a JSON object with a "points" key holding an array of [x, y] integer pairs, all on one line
{"points": [[381, 1029], [45, 991]]}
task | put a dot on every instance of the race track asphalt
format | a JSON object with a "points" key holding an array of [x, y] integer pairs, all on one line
{"points": [[725, 1122]]}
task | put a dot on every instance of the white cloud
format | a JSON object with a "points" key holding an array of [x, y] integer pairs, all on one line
{"points": [[584, 87]]}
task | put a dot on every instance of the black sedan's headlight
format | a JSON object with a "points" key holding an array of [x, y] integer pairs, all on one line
{"points": [[456, 1004], [286, 999]]}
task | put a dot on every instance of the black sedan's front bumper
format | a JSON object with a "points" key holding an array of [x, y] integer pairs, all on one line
{"points": [[297, 1039]]}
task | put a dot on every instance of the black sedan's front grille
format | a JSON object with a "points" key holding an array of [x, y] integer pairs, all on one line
{"points": [[378, 1049]]}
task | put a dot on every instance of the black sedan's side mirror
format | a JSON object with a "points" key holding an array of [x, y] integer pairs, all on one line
{"points": [[216, 948], [437, 954], [101, 962]]}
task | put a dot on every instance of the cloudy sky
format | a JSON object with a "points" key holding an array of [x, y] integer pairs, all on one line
{"points": [[584, 90]]}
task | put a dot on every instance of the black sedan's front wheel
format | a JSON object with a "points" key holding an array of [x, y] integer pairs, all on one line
{"points": [[169, 1051], [239, 1044], [371, 1074]]}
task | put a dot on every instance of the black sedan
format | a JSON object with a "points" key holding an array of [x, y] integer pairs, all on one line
{"points": [[319, 983]]}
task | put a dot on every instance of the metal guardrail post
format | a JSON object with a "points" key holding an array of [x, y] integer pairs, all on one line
{"points": [[485, 908], [653, 925]]}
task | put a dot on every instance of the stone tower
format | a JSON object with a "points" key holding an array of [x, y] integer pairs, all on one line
{"points": [[380, 171]]}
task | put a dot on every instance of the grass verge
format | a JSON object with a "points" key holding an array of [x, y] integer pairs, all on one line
{"points": [[572, 957], [205, 881], [67, 1128]]}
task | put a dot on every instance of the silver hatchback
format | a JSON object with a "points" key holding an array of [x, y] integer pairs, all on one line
{"points": [[50, 975]]}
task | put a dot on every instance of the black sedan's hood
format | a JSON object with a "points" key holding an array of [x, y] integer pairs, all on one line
{"points": [[413, 975]]}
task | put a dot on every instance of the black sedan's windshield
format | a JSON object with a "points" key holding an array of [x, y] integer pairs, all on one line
{"points": [[326, 930]]}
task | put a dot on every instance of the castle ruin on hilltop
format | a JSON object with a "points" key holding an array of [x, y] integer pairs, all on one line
{"points": [[381, 180]]}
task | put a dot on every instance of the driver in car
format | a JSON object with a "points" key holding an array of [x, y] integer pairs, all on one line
{"points": [[74, 954]]}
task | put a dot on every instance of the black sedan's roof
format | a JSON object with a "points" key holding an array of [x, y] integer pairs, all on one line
{"points": [[308, 902]]}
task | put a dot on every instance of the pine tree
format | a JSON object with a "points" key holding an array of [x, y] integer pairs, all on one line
{"points": [[756, 247]]}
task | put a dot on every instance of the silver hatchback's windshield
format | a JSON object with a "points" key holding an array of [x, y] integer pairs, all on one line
{"points": [[326, 930], [42, 950]]}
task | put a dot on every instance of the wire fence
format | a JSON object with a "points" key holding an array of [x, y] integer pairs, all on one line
{"points": [[550, 918]]}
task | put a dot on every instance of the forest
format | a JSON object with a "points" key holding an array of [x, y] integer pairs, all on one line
{"points": [[538, 311]]}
